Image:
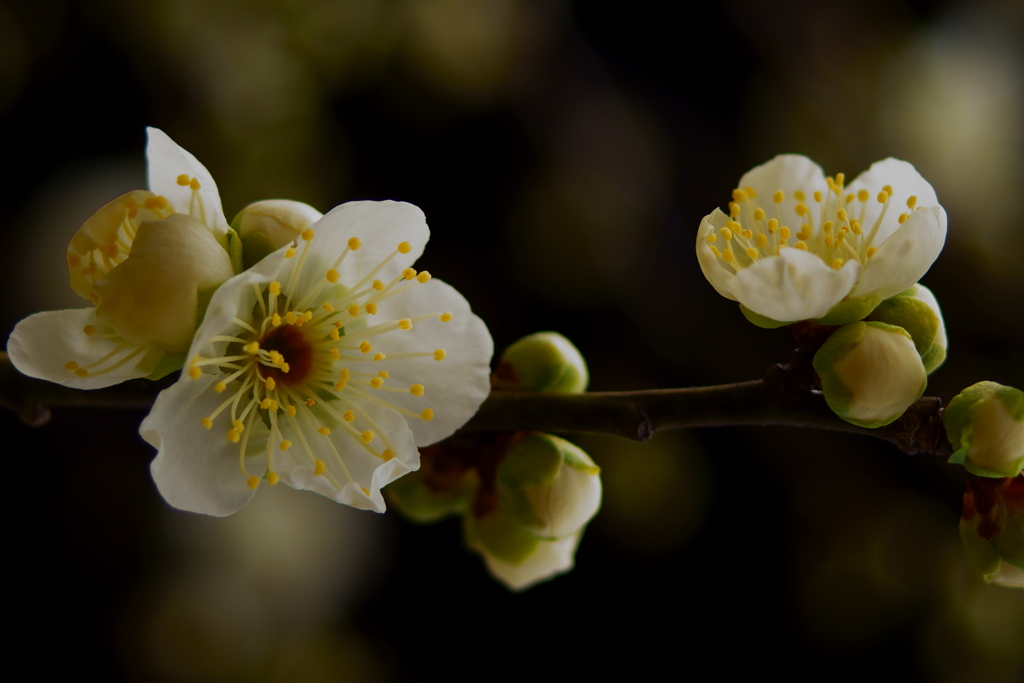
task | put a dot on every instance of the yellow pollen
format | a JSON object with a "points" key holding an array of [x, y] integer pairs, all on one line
{"points": [[252, 348], [335, 353], [440, 354], [285, 368], [340, 386], [801, 246], [427, 414], [194, 184], [870, 252], [353, 309], [801, 209], [364, 490], [784, 232], [405, 324], [799, 195], [379, 356], [711, 239], [253, 482], [234, 436], [184, 180], [738, 196], [828, 241], [855, 227], [195, 372], [762, 240], [758, 214], [89, 329], [345, 374], [276, 320], [903, 217], [827, 227], [423, 277], [378, 285], [275, 288], [286, 444], [366, 436], [714, 250], [734, 209], [291, 410], [207, 422], [748, 234], [376, 382], [778, 196], [290, 253], [409, 273], [349, 416], [749, 191], [751, 252], [354, 243], [272, 478], [842, 215], [320, 467], [849, 198], [290, 318], [219, 387], [837, 264], [387, 454], [82, 372], [332, 275], [817, 196], [726, 234], [371, 308], [71, 365], [308, 234], [446, 317], [773, 225], [158, 202], [328, 307], [238, 425], [911, 202], [840, 179], [335, 335], [404, 248], [416, 390], [271, 384], [365, 346], [384, 373], [888, 190], [728, 256], [882, 197], [863, 195]]}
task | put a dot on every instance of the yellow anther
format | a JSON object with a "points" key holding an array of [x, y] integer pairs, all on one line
{"points": [[747, 233], [220, 387], [863, 195], [828, 241], [911, 202], [184, 180], [404, 248], [778, 196], [379, 356], [752, 253], [285, 444], [714, 250], [335, 335], [842, 215], [738, 195], [310, 402], [364, 490], [762, 240], [440, 354], [275, 357], [71, 365], [332, 275], [335, 353], [340, 386], [353, 309], [799, 195], [870, 252], [855, 227], [273, 406], [308, 234], [416, 390], [773, 225], [903, 217], [726, 234], [274, 288], [291, 410], [265, 403], [837, 264], [320, 467], [388, 454], [728, 256], [817, 196], [194, 185], [827, 227], [371, 308], [158, 202], [348, 416], [409, 273], [840, 179], [82, 372], [759, 214], [290, 253], [354, 243], [850, 197], [376, 382], [801, 209], [366, 436], [446, 317], [89, 329], [427, 414], [272, 478], [195, 372], [882, 197], [238, 425], [423, 277], [384, 373], [276, 320], [365, 346], [271, 384], [405, 324], [830, 181], [801, 246], [252, 348], [784, 232], [345, 374], [841, 235], [253, 482], [749, 191], [207, 422], [234, 436], [711, 239], [290, 317], [378, 285], [888, 190], [734, 209]]}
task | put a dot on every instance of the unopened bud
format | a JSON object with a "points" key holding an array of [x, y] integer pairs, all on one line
{"points": [[870, 373], [992, 529], [548, 486], [545, 361], [266, 226], [425, 498], [917, 311], [985, 425]]}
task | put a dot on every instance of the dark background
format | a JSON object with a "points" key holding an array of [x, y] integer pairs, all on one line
{"points": [[564, 154]]}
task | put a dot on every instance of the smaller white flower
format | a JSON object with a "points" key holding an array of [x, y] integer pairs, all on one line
{"points": [[324, 366], [985, 425], [146, 261], [541, 560], [798, 246]]}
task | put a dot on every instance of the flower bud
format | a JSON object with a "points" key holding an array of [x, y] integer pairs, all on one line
{"points": [[545, 361], [917, 311], [992, 529], [152, 296], [266, 226], [548, 486], [427, 496], [985, 425], [870, 373], [513, 556]]}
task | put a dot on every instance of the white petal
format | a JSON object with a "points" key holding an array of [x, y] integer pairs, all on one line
{"points": [[718, 274], [380, 226], [550, 558], [197, 469], [922, 293], [905, 256], [42, 344], [454, 387], [166, 160], [789, 173], [795, 285], [905, 182]]}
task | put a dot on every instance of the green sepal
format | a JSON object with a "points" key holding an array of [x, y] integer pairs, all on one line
{"points": [[545, 362], [170, 362], [914, 316], [849, 311], [496, 535], [415, 500], [235, 251], [534, 460], [958, 419], [760, 320], [933, 357], [255, 247], [980, 553], [1013, 468]]}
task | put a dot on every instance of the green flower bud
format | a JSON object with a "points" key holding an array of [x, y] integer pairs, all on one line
{"points": [[548, 486], [917, 311], [545, 361], [992, 530], [870, 373], [266, 226], [985, 425], [513, 556], [425, 499]]}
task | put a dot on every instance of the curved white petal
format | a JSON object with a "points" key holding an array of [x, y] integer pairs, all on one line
{"points": [[903, 258], [905, 181], [380, 226], [718, 274], [789, 173], [795, 285], [165, 161], [454, 387], [197, 469], [42, 344], [549, 559]]}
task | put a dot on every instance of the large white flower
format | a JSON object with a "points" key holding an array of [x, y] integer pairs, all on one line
{"points": [[797, 245], [145, 260], [323, 366]]}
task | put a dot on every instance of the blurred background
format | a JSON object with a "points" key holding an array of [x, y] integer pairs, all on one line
{"points": [[564, 154]]}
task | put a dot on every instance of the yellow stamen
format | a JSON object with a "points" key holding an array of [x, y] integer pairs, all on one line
{"points": [[354, 243], [416, 390], [440, 354], [427, 414]]}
